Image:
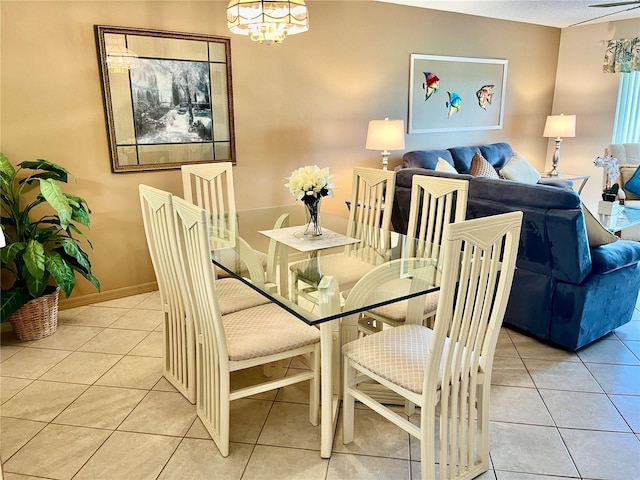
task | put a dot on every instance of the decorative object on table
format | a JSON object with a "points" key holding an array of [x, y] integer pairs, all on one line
{"points": [[385, 135], [611, 169], [449, 94], [559, 126], [174, 107], [267, 22], [42, 253], [609, 207], [310, 184]]}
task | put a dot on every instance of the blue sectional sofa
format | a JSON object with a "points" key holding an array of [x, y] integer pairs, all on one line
{"points": [[564, 292]]}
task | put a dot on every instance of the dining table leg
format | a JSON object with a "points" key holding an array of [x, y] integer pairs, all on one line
{"points": [[330, 353]]}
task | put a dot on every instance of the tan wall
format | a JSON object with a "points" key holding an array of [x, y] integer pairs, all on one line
{"points": [[303, 102], [583, 90]]}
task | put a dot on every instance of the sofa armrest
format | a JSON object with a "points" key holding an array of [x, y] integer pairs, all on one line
{"points": [[555, 182], [613, 256]]}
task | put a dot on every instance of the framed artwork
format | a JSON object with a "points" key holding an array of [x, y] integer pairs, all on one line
{"points": [[167, 97], [448, 94]]}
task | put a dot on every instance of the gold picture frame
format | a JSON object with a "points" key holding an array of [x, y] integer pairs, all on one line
{"points": [[167, 96]]}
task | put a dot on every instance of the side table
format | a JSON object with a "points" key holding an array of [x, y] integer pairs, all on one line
{"points": [[570, 176]]}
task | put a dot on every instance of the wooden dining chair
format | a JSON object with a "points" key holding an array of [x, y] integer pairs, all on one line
{"points": [[210, 186], [445, 370], [179, 344], [237, 341], [435, 202], [369, 221]]}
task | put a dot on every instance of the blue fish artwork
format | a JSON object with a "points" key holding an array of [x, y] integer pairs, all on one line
{"points": [[485, 95], [454, 103], [430, 85]]}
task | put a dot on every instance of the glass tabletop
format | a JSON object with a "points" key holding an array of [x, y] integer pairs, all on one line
{"points": [[245, 245], [627, 217]]}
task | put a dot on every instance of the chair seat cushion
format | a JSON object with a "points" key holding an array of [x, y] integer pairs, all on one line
{"points": [[265, 330], [396, 354], [233, 295], [231, 260], [346, 269], [397, 311]]}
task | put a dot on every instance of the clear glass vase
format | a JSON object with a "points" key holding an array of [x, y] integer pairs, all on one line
{"points": [[312, 229]]}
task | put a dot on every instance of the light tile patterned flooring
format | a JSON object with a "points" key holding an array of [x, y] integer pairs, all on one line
{"points": [[90, 403]]}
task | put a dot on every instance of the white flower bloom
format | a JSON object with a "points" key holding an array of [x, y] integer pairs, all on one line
{"points": [[310, 181]]}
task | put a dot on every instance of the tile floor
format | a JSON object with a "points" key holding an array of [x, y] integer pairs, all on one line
{"points": [[90, 403]]}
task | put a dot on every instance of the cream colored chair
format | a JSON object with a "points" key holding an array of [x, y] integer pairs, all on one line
{"points": [[446, 371], [210, 186], [241, 340], [369, 221], [435, 202], [178, 328]]}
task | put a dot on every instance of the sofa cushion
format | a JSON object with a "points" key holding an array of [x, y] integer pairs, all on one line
{"points": [[497, 154], [614, 256], [626, 172], [519, 170], [596, 233], [633, 184], [462, 157], [481, 168], [444, 166], [425, 158]]}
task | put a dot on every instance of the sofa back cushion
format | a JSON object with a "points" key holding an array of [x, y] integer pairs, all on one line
{"points": [[425, 158], [497, 154], [462, 157], [626, 153]]}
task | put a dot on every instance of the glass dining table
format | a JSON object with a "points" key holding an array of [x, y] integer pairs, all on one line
{"points": [[249, 248]]}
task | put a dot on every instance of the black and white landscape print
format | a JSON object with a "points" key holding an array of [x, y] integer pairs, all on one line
{"points": [[171, 101]]}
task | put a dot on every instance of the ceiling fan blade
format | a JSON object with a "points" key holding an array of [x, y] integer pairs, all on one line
{"points": [[606, 15], [615, 4]]}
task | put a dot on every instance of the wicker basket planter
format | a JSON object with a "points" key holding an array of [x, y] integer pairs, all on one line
{"points": [[36, 319]]}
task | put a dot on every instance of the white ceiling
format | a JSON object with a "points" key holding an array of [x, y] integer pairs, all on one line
{"points": [[552, 13]]}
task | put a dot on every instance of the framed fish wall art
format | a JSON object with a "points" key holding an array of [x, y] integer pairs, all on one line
{"points": [[449, 94]]}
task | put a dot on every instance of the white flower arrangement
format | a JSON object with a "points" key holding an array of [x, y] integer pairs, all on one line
{"points": [[310, 183], [610, 165]]}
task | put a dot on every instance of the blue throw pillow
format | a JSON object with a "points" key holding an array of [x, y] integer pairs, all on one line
{"points": [[633, 184]]}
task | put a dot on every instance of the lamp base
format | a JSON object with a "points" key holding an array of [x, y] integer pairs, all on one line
{"points": [[556, 160]]}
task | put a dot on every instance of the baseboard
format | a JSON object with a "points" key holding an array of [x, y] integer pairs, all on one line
{"points": [[83, 300]]}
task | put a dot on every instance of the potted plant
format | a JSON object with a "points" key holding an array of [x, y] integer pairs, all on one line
{"points": [[43, 251]]}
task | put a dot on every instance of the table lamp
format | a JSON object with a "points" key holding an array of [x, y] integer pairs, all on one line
{"points": [[559, 126], [385, 135]]}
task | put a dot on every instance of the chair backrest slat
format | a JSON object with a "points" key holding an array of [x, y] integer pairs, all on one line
{"points": [[435, 202], [479, 263], [179, 356]]}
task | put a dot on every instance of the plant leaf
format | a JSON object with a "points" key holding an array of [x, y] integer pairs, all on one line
{"points": [[60, 173], [72, 249], [8, 254], [52, 192], [35, 286], [60, 271], [12, 299], [33, 257], [5, 166]]}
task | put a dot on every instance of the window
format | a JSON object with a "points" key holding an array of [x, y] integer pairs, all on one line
{"points": [[626, 124]]}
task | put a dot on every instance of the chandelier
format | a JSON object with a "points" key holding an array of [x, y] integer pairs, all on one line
{"points": [[267, 21], [119, 58]]}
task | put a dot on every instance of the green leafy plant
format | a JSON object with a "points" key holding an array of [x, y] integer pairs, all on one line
{"points": [[45, 250]]}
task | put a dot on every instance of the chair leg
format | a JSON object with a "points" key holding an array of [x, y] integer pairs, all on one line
{"points": [[427, 444], [314, 388], [348, 403]]}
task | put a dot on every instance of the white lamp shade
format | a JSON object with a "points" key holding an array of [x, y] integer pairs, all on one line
{"points": [[385, 135], [560, 126]]}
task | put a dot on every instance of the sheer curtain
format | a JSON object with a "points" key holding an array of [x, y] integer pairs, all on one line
{"points": [[623, 57], [626, 124]]}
